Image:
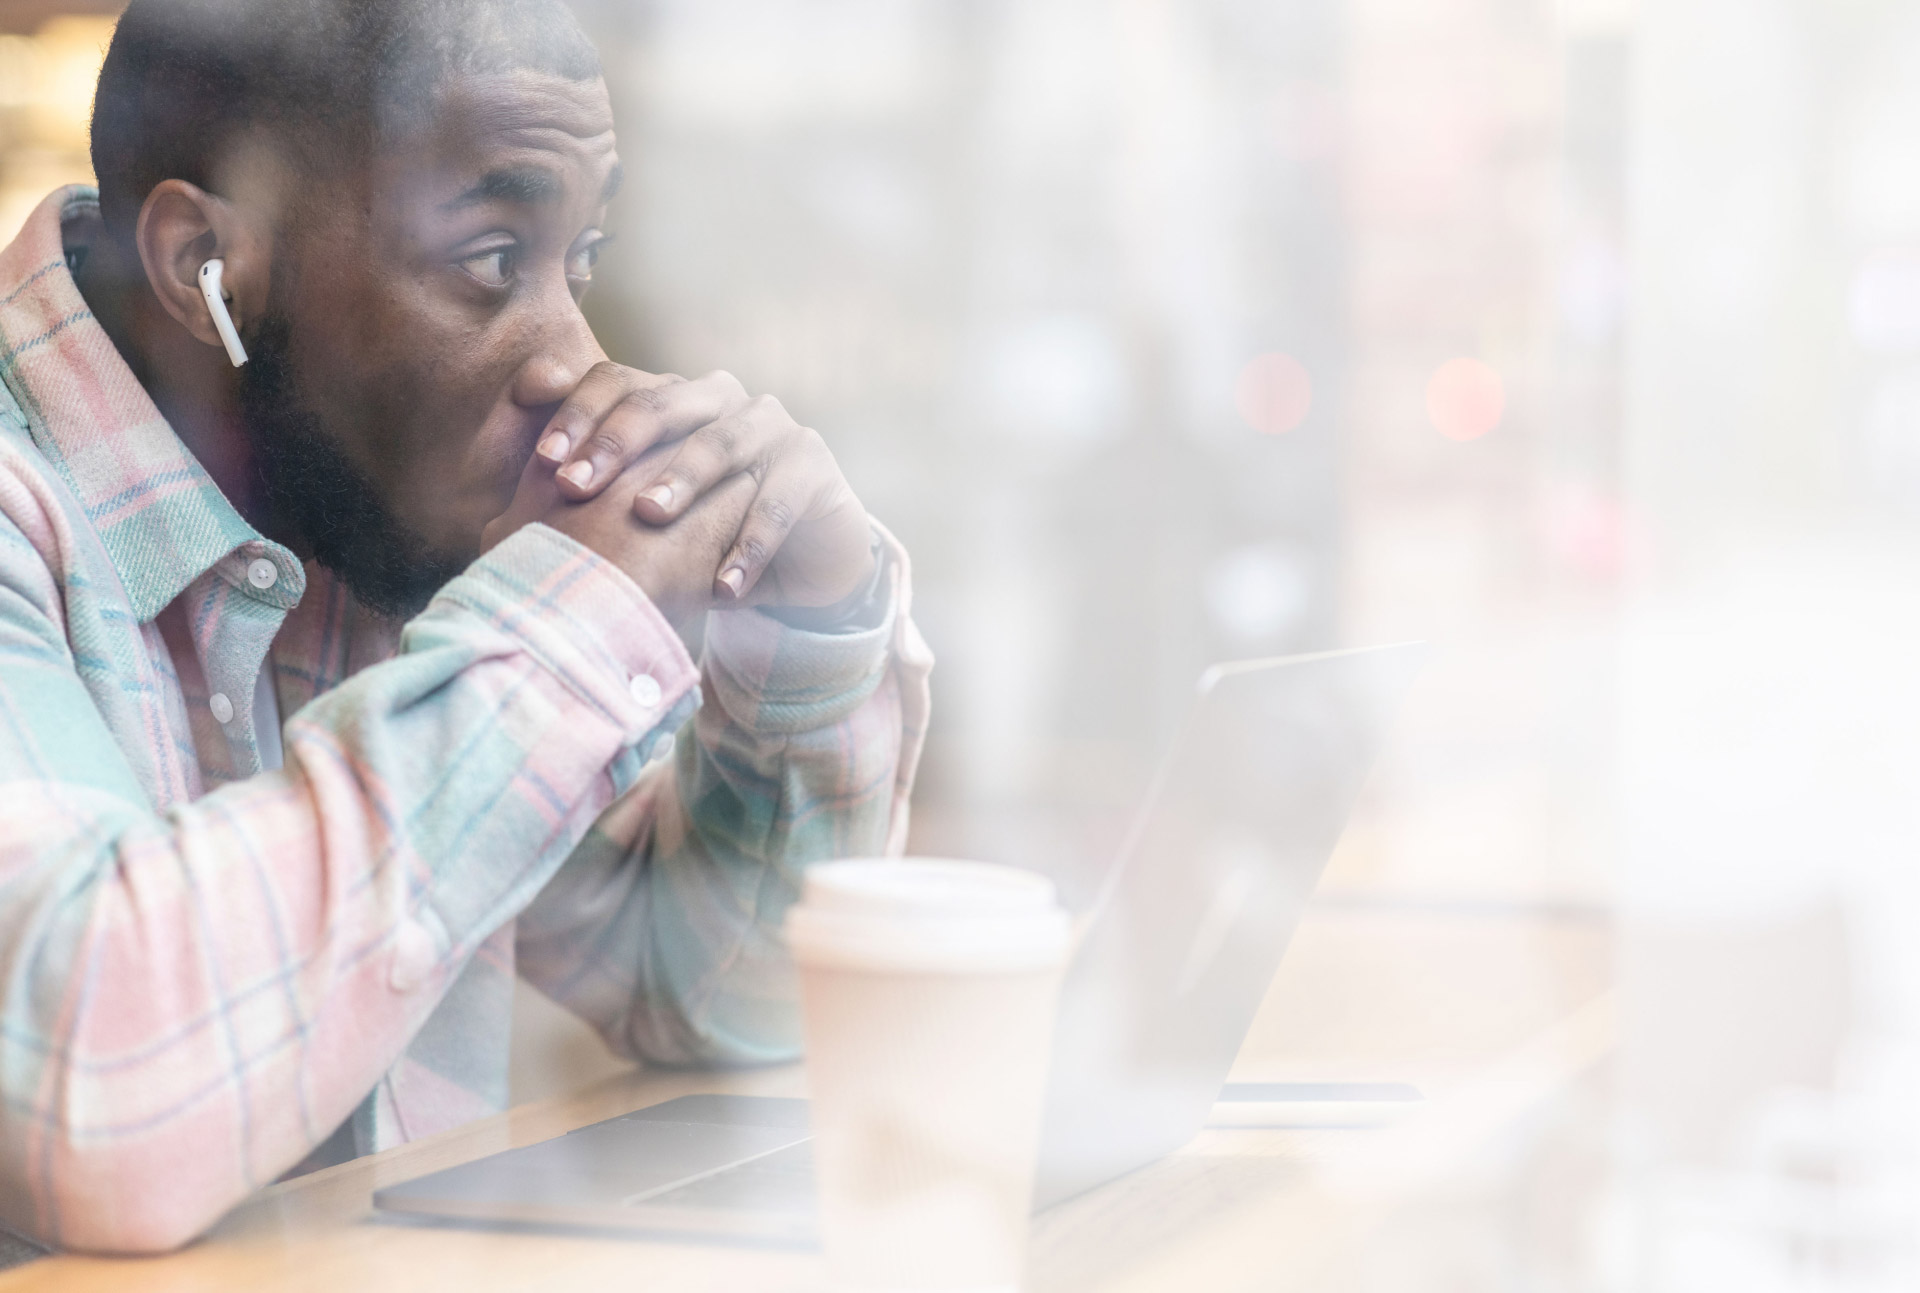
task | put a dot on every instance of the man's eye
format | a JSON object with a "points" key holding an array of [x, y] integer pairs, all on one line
{"points": [[493, 268], [581, 266]]}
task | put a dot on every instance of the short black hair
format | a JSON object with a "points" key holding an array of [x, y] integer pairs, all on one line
{"points": [[183, 78]]}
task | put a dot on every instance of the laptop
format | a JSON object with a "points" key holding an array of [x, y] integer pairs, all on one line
{"points": [[1171, 962]]}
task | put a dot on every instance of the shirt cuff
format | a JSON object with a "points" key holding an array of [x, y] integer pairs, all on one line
{"points": [[778, 679], [582, 618]]}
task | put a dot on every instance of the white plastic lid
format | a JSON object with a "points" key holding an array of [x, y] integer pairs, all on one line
{"points": [[927, 915]]}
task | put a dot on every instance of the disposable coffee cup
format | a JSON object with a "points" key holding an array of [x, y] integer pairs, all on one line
{"points": [[927, 989]]}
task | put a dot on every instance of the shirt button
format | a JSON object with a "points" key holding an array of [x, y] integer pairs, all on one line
{"points": [[222, 707], [645, 689], [414, 955], [262, 573]]}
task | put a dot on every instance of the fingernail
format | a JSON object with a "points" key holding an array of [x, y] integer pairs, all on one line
{"points": [[661, 496], [553, 446], [577, 473], [734, 578]]}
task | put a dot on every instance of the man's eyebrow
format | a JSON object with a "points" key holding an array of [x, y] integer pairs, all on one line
{"points": [[525, 185]]}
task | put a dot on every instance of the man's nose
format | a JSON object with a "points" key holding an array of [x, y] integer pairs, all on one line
{"points": [[565, 353]]}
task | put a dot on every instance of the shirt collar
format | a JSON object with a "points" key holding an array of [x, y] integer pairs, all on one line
{"points": [[163, 521]]}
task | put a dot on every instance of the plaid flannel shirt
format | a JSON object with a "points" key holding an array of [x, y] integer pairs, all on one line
{"points": [[209, 968]]}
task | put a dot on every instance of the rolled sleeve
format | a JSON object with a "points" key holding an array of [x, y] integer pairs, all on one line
{"points": [[585, 620], [664, 929], [775, 679]]}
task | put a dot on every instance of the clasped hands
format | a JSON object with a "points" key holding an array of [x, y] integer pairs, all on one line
{"points": [[707, 497]]}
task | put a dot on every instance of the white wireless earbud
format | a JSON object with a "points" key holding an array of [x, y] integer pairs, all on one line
{"points": [[217, 307]]}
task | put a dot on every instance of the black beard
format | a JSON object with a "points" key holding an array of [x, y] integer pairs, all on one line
{"points": [[312, 491]]}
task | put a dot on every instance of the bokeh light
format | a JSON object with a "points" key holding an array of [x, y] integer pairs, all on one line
{"points": [[1465, 399], [46, 97], [1274, 393], [1259, 593]]}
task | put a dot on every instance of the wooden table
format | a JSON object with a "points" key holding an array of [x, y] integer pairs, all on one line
{"points": [[1489, 1010]]}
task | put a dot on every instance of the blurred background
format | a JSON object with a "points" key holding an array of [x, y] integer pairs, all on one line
{"points": [[1580, 338]]}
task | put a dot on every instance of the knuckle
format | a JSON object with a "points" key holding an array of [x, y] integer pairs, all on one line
{"points": [[817, 452], [725, 381], [652, 401], [776, 513], [720, 437], [767, 406], [753, 550], [603, 443], [682, 477]]}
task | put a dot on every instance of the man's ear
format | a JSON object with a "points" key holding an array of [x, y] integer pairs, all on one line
{"points": [[181, 227]]}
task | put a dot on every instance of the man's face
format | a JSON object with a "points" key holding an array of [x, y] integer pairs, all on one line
{"points": [[432, 316]]}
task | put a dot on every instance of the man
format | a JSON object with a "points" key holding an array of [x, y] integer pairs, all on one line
{"points": [[338, 687]]}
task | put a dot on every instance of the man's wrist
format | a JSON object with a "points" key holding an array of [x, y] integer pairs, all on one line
{"points": [[862, 609]]}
